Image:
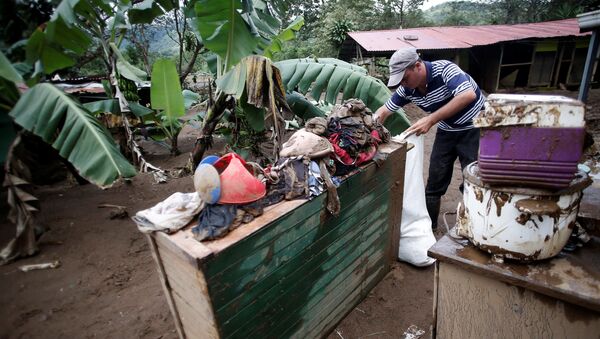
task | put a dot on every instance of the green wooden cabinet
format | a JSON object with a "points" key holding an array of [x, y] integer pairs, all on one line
{"points": [[295, 271]]}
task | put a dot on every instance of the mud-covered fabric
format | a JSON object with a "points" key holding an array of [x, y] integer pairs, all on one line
{"points": [[305, 143], [317, 125], [354, 134], [214, 221], [169, 215], [289, 177]]}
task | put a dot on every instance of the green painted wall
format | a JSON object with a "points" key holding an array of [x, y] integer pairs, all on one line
{"points": [[302, 273]]}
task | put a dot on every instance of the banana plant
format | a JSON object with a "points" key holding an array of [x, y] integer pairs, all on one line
{"points": [[58, 119], [233, 30], [325, 79], [71, 129], [167, 99]]}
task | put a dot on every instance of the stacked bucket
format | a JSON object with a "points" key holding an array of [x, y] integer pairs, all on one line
{"points": [[530, 140], [522, 197]]}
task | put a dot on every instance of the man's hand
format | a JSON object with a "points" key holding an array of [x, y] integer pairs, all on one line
{"points": [[453, 106], [422, 125], [381, 114]]}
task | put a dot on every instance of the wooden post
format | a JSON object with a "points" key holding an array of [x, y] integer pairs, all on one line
{"points": [[165, 284], [589, 67]]}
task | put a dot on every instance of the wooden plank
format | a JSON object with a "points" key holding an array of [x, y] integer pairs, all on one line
{"points": [[323, 322], [190, 285], [396, 197], [320, 250], [271, 213], [193, 322], [475, 306], [335, 304], [319, 282], [279, 303], [572, 277], [164, 280], [235, 279], [349, 194], [184, 245]]}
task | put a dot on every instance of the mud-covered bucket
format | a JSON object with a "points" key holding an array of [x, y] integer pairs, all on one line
{"points": [[518, 223]]}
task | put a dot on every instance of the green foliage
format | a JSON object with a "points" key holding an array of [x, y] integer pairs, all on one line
{"points": [[146, 11], [460, 13], [126, 69], [285, 35], [190, 98], [241, 135], [338, 31], [302, 107], [7, 71], [467, 13], [224, 31], [77, 136], [9, 95], [326, 81], [21, 18], [167, 99], [128, 88]]}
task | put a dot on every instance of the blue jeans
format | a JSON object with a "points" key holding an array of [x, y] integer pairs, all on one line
{"points": [[446, 148]]}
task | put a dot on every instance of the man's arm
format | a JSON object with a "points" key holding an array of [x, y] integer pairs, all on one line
{"points": [[453, 106], [381, 114]]}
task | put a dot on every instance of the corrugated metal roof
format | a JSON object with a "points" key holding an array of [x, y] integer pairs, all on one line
{"points": [[453, 37]]}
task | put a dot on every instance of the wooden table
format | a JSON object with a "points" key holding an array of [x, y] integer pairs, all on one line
{"points": [[589, 209], [478, 298]]}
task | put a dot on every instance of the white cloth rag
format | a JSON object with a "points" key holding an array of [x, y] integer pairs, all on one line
{"points": [[169, 215]]}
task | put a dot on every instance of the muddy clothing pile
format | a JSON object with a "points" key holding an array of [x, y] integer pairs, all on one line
{"points": [[308, 162], [346, 139], [354, 135]]}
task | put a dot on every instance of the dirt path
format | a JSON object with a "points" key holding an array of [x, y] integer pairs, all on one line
{"points": [[107, 286]]}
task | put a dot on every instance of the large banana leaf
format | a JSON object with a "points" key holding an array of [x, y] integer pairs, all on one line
{"points": [[126, 69], [7, 71], [286, 34], [190, 98], [329, 61], [224, 31], [146, 11], [328, 79], [101, 106], [302, 107], [65, 124], [165, 92], [64, 30], [47, 58]]}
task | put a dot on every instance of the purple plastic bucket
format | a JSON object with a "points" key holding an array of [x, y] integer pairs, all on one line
{"points": [[530, 156], [554, 144]]}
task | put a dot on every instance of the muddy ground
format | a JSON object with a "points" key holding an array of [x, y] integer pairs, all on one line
{"points": [[107, 285]]}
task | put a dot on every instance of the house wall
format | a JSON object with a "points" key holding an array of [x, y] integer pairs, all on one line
{"points": [[547, 63]]}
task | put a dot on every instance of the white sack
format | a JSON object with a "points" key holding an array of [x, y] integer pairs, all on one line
{"points": [[169, 215], [416, 236]]}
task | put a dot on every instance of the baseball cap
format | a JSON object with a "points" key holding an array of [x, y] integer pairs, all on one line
{"points": [[399, 61]]}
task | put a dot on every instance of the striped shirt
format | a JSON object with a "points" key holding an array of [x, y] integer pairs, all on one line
{"points": [[445, 80]]}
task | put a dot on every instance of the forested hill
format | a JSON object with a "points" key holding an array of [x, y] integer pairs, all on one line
{"points": [[460, 13]]}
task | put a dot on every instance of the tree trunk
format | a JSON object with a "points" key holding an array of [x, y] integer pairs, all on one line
{"points": [[213, 115], [190, 64]]}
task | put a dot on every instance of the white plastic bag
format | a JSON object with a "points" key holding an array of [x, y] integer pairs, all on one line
{"points": [[169, 215], [416, 236]]}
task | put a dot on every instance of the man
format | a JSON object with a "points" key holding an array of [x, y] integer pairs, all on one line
{"points": [[452, 99]]}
